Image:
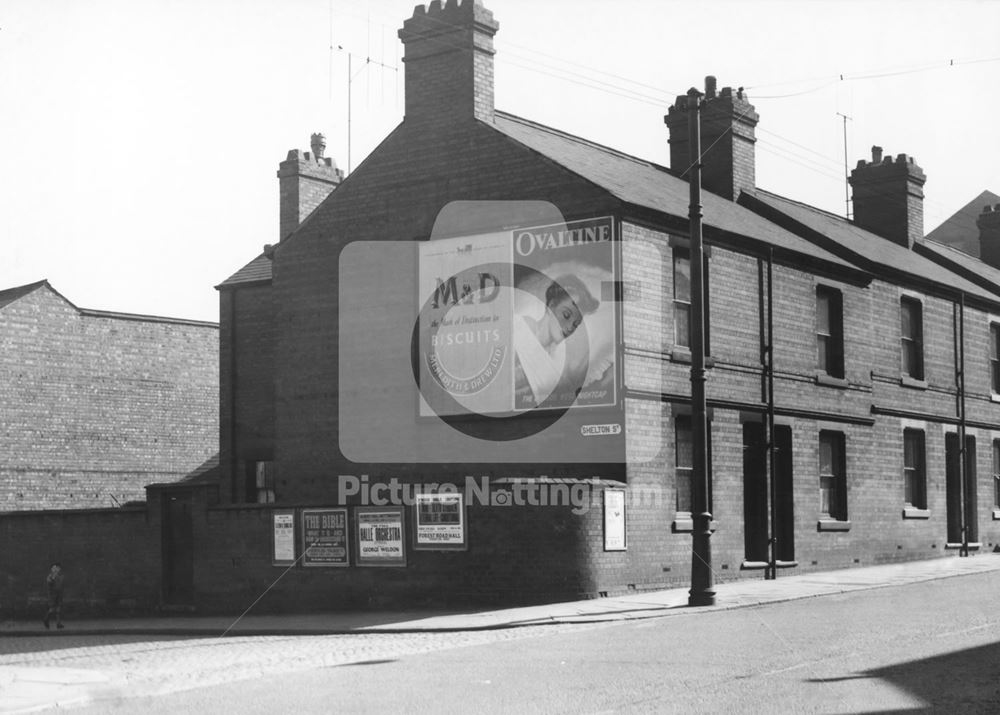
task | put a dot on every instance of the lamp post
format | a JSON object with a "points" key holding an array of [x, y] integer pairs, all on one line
{"points": [[702, 591]]}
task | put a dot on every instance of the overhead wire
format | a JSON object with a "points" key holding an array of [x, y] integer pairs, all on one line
{"points": [[581, 79]]}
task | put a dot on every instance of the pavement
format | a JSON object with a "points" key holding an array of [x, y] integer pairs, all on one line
{"points": [[24, 688]]}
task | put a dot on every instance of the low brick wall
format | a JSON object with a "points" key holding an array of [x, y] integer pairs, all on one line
{"points": [[516, 555], [107, 557]]}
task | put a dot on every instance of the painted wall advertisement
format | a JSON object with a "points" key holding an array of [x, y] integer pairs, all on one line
{"points": [[518, 320], [380, 536], [324, 537], [283, 552], [614, 520], [439, 522]]}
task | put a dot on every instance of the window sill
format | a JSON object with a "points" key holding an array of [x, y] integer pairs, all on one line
{"points": [[833, 525], [683, 355], [685, 525], [973, 545], [759, 565], [995, 397], [911, 512], [912, 382], [996, 514], [828, 380]]}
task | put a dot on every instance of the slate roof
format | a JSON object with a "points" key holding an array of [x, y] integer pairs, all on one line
{"points": [[256, 271], [9, 295], [651, 186], [632, 180], [960, 262], [866, 249], [960, 230]]}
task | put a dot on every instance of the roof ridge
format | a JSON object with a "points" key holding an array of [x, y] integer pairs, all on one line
{"points": [[15, 293], [27, 287], [812, 208], [937, 245], [950, 248], [581, 140]]}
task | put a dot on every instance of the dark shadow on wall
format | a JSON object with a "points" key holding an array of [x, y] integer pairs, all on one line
{"points": [[962, 681]]}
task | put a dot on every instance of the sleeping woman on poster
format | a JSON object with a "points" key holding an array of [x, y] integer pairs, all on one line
{"points": [[551, 367]]}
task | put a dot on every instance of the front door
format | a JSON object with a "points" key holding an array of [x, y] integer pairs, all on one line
{"points": [[784, 508], [756, 497], [178, 549], [953, 488]]}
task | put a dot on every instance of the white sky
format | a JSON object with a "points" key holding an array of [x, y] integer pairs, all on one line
{"points": [[140, 138]]}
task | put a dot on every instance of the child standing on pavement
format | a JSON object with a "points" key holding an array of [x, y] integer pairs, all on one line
{"points": [[54, 586]]}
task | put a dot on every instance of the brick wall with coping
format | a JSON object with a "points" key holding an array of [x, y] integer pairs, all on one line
{"points": [[97, 405]]}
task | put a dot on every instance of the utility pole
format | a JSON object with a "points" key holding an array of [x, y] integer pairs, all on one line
{"points": [[702, 591]]}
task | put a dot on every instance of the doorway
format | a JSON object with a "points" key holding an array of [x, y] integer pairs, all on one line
{"points": [[178, 548], [953, 488], [756, 497]]}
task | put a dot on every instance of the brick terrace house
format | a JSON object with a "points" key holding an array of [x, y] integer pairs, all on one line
{"points": [[98, 404], [882, 349], [873, 384]]}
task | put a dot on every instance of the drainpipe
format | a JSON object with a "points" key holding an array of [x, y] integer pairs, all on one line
{"points": [[963, 455], [772, 566], [233, 477]]}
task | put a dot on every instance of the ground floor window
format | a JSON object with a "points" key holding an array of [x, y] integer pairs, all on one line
{"points": [[684, 465], [832, 475], [914, 470], [996, 473]]}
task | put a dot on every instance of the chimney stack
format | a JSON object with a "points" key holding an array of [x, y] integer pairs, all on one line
{"points": [[304, 180], [889, 197], [448, 56], [989, 235], [728, 135]]}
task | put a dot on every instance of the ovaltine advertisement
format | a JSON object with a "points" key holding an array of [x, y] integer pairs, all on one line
{"points": [[564, 315], [518, 321]]}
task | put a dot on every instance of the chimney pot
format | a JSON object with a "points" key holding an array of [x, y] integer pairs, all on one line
{"points": [[710, 87], [876, 155], [318, 143]]}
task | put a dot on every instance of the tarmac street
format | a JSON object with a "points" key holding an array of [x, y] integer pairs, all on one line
{"points": [[839, 634]]}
